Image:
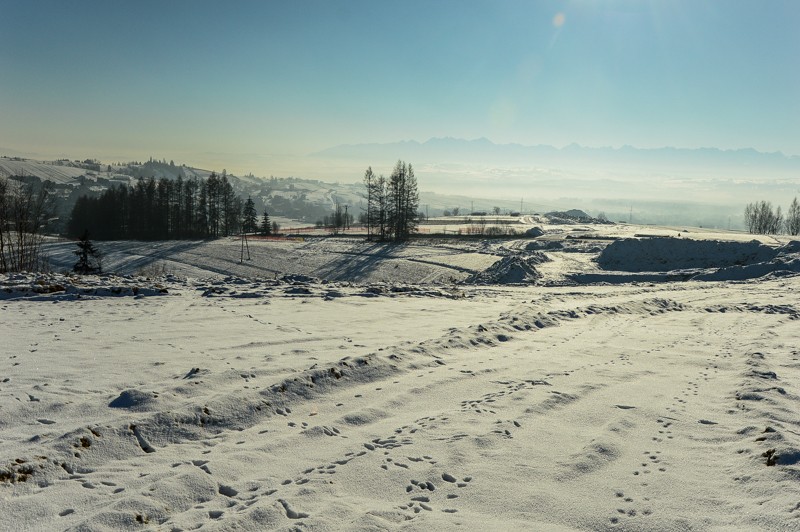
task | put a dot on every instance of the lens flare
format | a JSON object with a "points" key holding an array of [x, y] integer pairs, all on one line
{"points": [[559, 19]]}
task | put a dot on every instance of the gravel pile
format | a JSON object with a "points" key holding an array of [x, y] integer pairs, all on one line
{"points": [[514, 269]]}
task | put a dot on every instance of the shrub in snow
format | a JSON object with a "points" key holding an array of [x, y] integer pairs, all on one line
{"points": [[88, 256]]}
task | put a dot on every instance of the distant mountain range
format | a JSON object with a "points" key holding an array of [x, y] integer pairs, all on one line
{"points": [[483, 151]]}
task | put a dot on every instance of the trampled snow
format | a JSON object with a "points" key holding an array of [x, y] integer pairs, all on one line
{"points": [[339, 385]]}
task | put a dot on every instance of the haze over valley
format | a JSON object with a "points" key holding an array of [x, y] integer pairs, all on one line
{"points": [[701, 187]]}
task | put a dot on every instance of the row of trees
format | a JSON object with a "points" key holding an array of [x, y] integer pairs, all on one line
{"points": [[338, 220], [158, 210], [25, 210], [761, 218], [251, 223], [392, 204]]}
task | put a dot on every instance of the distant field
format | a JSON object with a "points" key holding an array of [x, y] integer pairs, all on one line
{"points": [[45, 171]]}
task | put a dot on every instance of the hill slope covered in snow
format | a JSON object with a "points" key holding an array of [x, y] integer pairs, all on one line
{"points": [[336, 384]]}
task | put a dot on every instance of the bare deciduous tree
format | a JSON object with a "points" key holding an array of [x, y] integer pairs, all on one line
{"points": [[24, 211], [760, 218], [404, 202], [793, 218], [369, 182], [392, 204]]}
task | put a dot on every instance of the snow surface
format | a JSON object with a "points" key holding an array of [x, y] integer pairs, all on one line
{"points": [[192, 391]]}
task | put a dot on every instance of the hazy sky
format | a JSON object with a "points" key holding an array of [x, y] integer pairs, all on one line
{"points": [[230, 82]]}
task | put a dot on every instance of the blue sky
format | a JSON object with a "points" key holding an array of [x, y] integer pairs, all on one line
{"points": [[233, 81]]}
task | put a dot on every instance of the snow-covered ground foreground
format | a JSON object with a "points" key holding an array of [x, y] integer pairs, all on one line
{"points": [[375, 402]]}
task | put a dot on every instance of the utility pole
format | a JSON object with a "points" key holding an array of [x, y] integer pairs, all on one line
{"points": [[346, 219], [244, 245]]}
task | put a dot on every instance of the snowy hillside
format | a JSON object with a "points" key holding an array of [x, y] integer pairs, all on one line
{"points": [[60, 174]]}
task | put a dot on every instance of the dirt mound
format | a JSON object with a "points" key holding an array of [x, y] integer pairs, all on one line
{"points": [[790, 247], [66, 286], [667, 254], [514, 269], [134, 400], [537, 245], [573, 216]]}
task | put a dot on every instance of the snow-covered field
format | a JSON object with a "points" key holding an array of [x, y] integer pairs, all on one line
{"points": [[333, 384], [43, 170]]}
